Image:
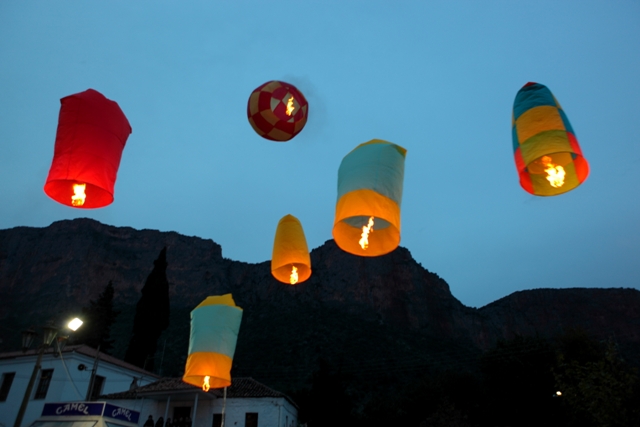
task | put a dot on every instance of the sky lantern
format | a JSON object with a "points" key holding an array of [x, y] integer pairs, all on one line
{"points": [[277, 111], [290, 262], [92, 132], [367, 221], [215, 323], [548, 157]]}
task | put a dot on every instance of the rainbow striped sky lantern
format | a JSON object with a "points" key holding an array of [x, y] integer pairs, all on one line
{"points": [[290, 261], [215, 324], [277, 111], [92, 132], [547, 154], [370, 180]]}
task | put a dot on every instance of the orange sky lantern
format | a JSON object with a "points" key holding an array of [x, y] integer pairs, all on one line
{"points": [[277, 111], [370, 180], [215, 324], [92, 132], [290, 261], [547, 154]]}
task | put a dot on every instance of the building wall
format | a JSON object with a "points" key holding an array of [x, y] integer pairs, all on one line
{"points": [[272, 412], [61, 389]]}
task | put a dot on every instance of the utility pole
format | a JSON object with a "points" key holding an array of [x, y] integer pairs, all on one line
{"points": [[93, 374], [27, 394]]}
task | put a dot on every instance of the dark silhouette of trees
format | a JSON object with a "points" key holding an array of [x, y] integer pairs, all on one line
{"points": [[327, 403], [98, 318], [152, 316], [521, 377], [446, 415], [598, 388], [519, 384]]}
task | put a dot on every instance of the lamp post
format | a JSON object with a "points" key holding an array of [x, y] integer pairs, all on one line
{"points": [[49, 332]]}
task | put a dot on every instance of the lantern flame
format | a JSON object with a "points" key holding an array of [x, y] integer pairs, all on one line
{"points": [[555, 174], [364, 237], [205, 384], [78, 194], [290, 106], [293, 279]]}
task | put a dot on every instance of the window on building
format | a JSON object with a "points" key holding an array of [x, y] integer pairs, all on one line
{"points": [[251, 419], [43, 384], [217, 420], [96, 388], [7, 380]]}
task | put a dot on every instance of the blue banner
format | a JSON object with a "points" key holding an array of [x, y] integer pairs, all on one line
{"points": [[73, 408], [119, 413]]}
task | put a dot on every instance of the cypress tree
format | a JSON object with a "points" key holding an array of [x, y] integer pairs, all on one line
{"points": [[152, 316], [98, 318]]}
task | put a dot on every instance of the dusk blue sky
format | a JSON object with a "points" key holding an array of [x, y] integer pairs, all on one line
{"points": [[436, 77]]}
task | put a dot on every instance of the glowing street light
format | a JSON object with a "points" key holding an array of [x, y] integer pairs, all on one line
{"points": [[74, 324]]}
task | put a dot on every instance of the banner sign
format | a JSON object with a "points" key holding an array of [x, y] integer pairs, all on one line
{"points": [[91, 408], [119, 413], [73, 408]]}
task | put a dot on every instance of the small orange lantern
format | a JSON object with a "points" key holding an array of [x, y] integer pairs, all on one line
{"points": [[290, 262]]}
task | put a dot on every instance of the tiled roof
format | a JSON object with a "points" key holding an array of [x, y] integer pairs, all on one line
{"points": [[80, 349], [239, 388], [162, 385]]}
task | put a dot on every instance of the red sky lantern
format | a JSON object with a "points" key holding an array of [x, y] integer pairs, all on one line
{"points": [[277, 111], [92, 132]]}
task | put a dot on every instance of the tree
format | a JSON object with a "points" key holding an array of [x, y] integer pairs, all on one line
{"points": [[519, 384], [98, 318], [446, 415], [152, 316], [597, 386], [327, 403]]}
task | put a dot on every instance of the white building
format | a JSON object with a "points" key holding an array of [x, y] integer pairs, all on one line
{"points": [[248, 403], [61, 379]]}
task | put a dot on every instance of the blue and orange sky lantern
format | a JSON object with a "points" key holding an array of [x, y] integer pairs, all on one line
{"points": [[215, 324], [548, 157], [370, 181], [92, 133]]}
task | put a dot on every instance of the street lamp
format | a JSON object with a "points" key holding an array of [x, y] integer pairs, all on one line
{"points": [[49, 332], [27, 338], [61, 340]]}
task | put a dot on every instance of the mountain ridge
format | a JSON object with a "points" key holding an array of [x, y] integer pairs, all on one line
{"points": [[376, 309]]}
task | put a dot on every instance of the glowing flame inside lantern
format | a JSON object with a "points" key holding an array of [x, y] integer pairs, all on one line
{"points": [[293, 279], [290, 106], [555, 174], [364, 237], [78, 194], [205, 384]]}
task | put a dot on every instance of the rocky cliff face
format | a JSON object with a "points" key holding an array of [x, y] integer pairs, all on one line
{"points": [[352, 308], [612, 313]]}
